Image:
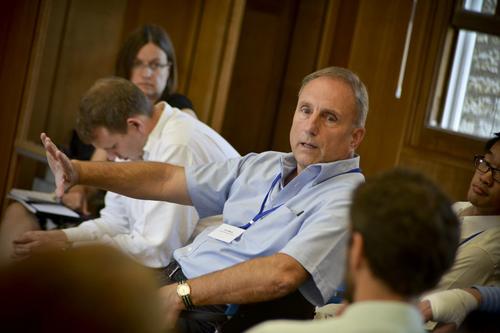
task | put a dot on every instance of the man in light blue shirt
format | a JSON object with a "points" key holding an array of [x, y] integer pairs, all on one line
{"points": [[285, 215]]}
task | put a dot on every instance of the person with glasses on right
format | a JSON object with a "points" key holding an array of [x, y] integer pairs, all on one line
{"points": [[478, 256]]}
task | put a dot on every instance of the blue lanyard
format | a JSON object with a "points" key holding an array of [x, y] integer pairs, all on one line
{"points": [[263, 213], [469, 238]]}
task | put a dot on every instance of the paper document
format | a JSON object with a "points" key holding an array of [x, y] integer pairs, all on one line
{"points": [[41, 203], [54, 209], [26, 195]]}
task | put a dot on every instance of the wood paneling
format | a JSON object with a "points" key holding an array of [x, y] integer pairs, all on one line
{"points": [[36, 105], [452, 175], [260, 64], [87, 52], [342, 27], [43, 71], [17, 32], [208, 55], [221, 94], [376, 54]]}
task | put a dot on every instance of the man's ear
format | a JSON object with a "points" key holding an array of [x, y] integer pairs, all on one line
{"points": [[136, 123], [357, 137], [356, 254]]}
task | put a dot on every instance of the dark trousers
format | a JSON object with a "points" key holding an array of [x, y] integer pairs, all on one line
{"points": [[291, 306], [211, 318]]}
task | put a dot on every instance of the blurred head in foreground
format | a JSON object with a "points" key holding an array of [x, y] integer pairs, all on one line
{"points": [[404, 235], [86, 289]]}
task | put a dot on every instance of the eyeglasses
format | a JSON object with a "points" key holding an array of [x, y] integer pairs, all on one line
{"points": [[483, 166], [154, 66]]}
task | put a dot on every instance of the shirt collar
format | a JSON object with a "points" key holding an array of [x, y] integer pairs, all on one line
{"points": [[319, 171], [474, 224], [156, 133]]}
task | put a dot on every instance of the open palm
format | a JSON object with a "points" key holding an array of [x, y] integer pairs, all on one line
{"points": [[62, 168]]}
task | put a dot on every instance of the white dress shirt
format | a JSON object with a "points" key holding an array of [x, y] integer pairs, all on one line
{"points": [[147, 230]]}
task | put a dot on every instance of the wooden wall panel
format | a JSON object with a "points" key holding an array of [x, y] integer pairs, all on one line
{"points": [[17, 32], [211, 55], [221, 93], [88, 52], [451, 175], [342, 26], [260, 64], [38, 89], [376, 54], [46, 57]]}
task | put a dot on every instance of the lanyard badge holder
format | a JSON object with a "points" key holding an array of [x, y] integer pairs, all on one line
{"points": [[227, 233]]}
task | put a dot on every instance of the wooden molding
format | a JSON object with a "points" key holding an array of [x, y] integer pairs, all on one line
{"points": [[227, 63]]}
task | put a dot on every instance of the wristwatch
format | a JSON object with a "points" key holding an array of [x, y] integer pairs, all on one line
{"points": [[184, 292]]}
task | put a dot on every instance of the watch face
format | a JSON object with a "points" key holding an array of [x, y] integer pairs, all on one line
{"points": [[183, 289]]}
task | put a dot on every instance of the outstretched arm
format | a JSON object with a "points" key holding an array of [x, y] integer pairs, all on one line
{"points": [[141, 180]]}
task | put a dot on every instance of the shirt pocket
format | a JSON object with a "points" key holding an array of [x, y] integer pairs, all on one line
{"points": [[271, 233]]}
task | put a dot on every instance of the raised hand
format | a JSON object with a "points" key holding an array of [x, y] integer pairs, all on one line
{"points": [[64, 172]]}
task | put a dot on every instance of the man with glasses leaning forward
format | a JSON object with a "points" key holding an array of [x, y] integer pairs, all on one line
{"points": [[478, 256]]}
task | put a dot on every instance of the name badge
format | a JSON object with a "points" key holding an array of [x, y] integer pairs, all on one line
{"points": [[226, 233]]}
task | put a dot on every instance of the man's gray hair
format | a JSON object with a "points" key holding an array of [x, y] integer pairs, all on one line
{"points": [[357, 86]]}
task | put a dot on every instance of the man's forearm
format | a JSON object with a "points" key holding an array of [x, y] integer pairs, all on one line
{"points": [[141, 180], [256, 280]]}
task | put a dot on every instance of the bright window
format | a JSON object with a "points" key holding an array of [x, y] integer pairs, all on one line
{"points": [[472, 95]]}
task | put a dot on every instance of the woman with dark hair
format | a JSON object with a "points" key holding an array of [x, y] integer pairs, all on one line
{"points": [[147, 58]]}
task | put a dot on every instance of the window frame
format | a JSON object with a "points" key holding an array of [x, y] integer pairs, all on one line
{"points": [[432, 58]]}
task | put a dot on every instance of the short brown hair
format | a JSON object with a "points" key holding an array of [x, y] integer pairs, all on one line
{"points": [[409, 229], [109, 103]]}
